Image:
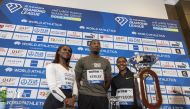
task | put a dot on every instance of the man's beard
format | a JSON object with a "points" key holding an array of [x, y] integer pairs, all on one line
{"points": [[96, 52]]}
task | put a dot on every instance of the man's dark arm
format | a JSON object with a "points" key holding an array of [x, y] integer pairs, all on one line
{"points": [[78, 72], [107, 76], [78, 79], [107, 81]]}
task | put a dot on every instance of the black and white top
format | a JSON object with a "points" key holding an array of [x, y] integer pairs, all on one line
{"points": [[60, 78], [124, 89]]}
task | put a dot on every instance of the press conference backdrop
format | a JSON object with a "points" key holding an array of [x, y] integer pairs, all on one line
{"points": [[31, 33]]}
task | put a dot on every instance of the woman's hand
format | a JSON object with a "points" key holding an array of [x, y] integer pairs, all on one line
{"points": [[70, 102]]}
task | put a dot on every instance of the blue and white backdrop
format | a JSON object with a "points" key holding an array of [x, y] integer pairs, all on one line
{"points": [[31, 33]]}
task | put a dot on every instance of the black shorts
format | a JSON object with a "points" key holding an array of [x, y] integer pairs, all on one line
{"points": [[52, 103], [92, 102]]}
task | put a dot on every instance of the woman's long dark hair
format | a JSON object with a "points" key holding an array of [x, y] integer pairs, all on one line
{"points": [[57, 59]]}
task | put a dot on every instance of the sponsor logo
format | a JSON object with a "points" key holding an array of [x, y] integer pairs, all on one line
{"points": [[157, 64], [172, 89], [13, 7], [57, 32], [8, 69], [50, 55], [7, 27], [70, 41], [9, 81], [35, 54], [162, 43], [57, 40], [34, 63], [148, 41], [164, 50], [167, 64], [137, 23], [26, 29], [3, 51], [75, 57], [90, 36], [182, 65], [178, 51], [74, 34], [135, 47], [29, 82], [176, 99], [17, 43], [20, 36], [157, 71], [86, 42], [105, 37], [121, 20], [162, 88], [176, 44], [42, 94], [25, 70], [16, 52], [39, 38], [33, 10], [187, 100], [133, 32], [186, 90], [11, 93], [183, 73], [107, 44], [27, 93], [38, 30], [6, 35], [80, 48], [24, 20], [134, 40], [120, 39], [43, 83], [14, 62], [121, 46], [164, 99], [172, 73], [82, 27], [150, 48]]}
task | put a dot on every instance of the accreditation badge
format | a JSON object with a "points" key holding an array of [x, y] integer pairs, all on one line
{"points": [[95, 76], [125, 96]]}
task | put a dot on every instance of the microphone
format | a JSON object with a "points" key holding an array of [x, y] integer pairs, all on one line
{"points": [[54, 91]]}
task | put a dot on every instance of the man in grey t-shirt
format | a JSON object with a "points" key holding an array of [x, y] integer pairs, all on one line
{"points": [[93, 75]]}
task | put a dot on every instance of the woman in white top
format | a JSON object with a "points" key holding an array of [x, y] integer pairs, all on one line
{"points": [[61, 80]]}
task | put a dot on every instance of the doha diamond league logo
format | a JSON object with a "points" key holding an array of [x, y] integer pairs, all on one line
{"points": [[121, 20], [13, 7]]}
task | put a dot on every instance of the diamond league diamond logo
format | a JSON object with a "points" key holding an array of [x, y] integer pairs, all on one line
{"points": [[13, 7], [121, 20]]}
